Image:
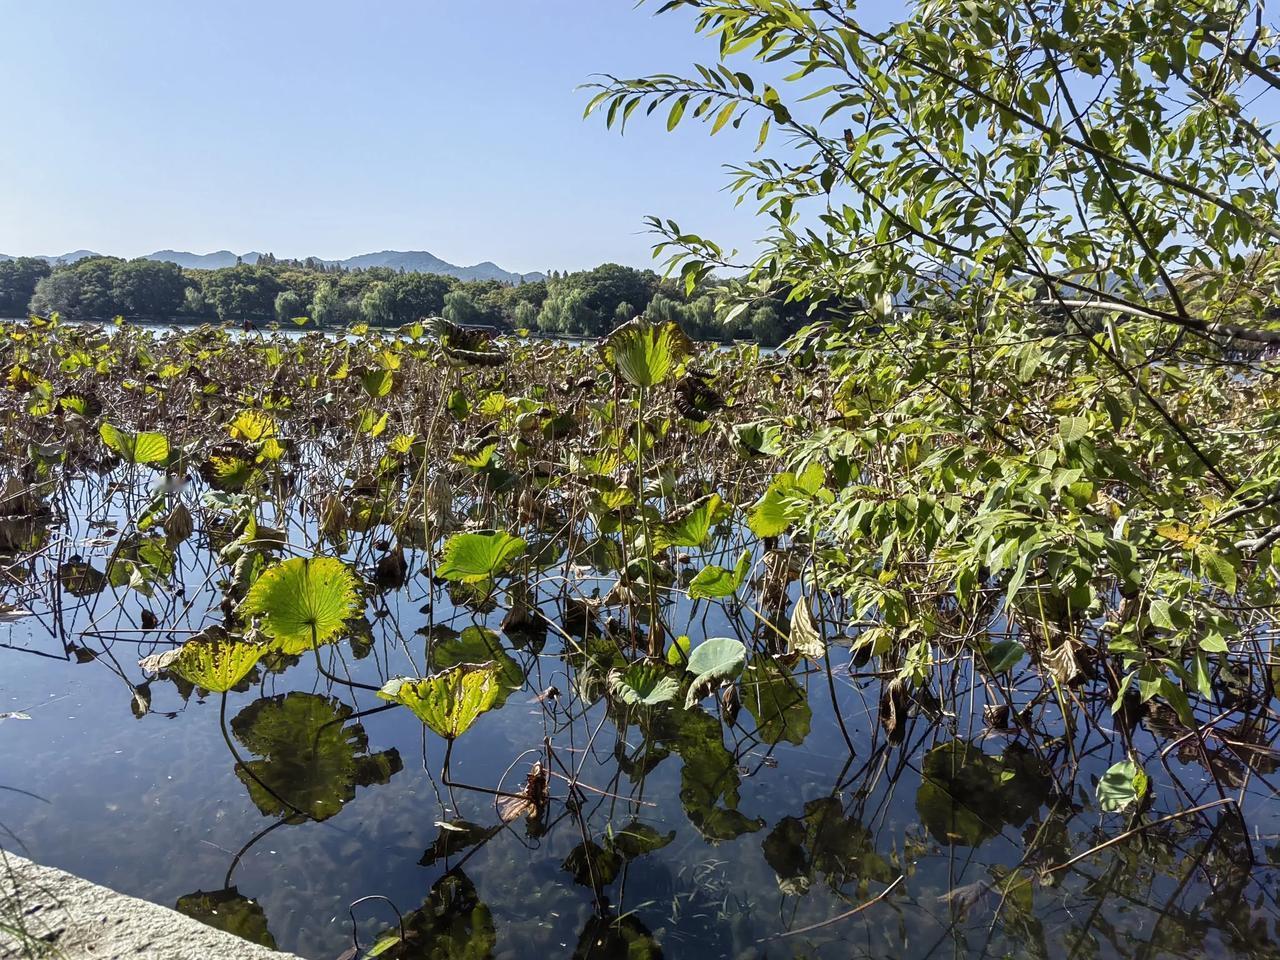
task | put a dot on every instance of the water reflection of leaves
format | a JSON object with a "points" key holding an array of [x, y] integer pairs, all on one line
{"points": [[601, 862], [230, 911], [823, 841], [776, 701], [610, 938], [966, 796], [453, 924], [311, 757], [456, 836], [709, 780]]}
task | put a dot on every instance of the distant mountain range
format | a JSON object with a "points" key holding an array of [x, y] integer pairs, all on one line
{"points": [[410, 261]]}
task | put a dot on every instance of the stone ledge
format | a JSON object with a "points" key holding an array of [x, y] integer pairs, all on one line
{"points": [[84, 921]]}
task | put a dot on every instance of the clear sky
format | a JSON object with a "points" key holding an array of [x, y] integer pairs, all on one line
{"points": [[331, 128]]}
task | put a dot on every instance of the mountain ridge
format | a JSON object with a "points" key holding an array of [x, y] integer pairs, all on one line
{"points": [[410, 261]]}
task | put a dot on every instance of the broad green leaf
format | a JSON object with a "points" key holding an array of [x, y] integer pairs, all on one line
{"points": [[450, 701], [303, 600], [643, 684], [1003, 656], [135, 447], [1123, 785], [645, 354], [215, 663], [693, 526], [719, 658], [714, 581], [478, 557]]}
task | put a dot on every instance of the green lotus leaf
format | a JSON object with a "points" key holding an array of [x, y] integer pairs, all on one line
{"points": [[303, 600], [715, 581], [478, 557], [135, 447], [1123, 785], [644, 353], [643, 684], [450, 701], [693, 526], [720, 658], [217, 664]]}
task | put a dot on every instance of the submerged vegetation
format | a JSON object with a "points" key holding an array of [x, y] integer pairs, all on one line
{"points": [[956, 616]]}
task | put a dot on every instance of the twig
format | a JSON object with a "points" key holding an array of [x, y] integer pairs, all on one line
{"points": [[836, 919]]}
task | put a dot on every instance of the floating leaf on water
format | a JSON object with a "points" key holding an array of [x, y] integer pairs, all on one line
{"points": [[1125, 784], [643, 684], [303, 600], [450, 701], [215, 664]]}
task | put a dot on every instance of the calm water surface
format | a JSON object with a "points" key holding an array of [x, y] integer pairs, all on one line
{"points": [[708, 840]]}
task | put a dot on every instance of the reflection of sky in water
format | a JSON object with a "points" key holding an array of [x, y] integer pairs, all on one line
{"points": [[153, 808]]}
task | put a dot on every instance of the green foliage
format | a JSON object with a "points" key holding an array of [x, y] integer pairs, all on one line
{"points": [[303, 601], [643, 684], [713, 660], [646, 354], [135, 447], [478, 557], [1037, 242], [216, 663], [450, 701], [1125, 784]]}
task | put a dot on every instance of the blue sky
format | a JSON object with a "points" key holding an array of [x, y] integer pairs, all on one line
{"points": [[334, 128]]}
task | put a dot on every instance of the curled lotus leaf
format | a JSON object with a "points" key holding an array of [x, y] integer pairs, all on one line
{"points": [[215, 663], [450, 701]]}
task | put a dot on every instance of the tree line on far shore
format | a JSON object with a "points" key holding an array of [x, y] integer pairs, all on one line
{"points": [[584, 303]]}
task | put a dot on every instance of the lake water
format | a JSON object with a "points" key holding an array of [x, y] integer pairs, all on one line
{"points": [[796, 830]]}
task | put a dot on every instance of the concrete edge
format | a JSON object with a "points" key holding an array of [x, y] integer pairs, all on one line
{"points": [[84, 921]]}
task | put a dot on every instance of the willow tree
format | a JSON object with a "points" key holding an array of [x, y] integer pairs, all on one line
{"points": [[1044, 390]]}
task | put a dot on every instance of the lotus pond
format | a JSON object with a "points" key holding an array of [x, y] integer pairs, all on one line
{"points": [[428, 645]]}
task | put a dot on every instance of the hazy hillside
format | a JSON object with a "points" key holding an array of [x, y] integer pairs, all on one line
{"points": [[410, 261]]}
